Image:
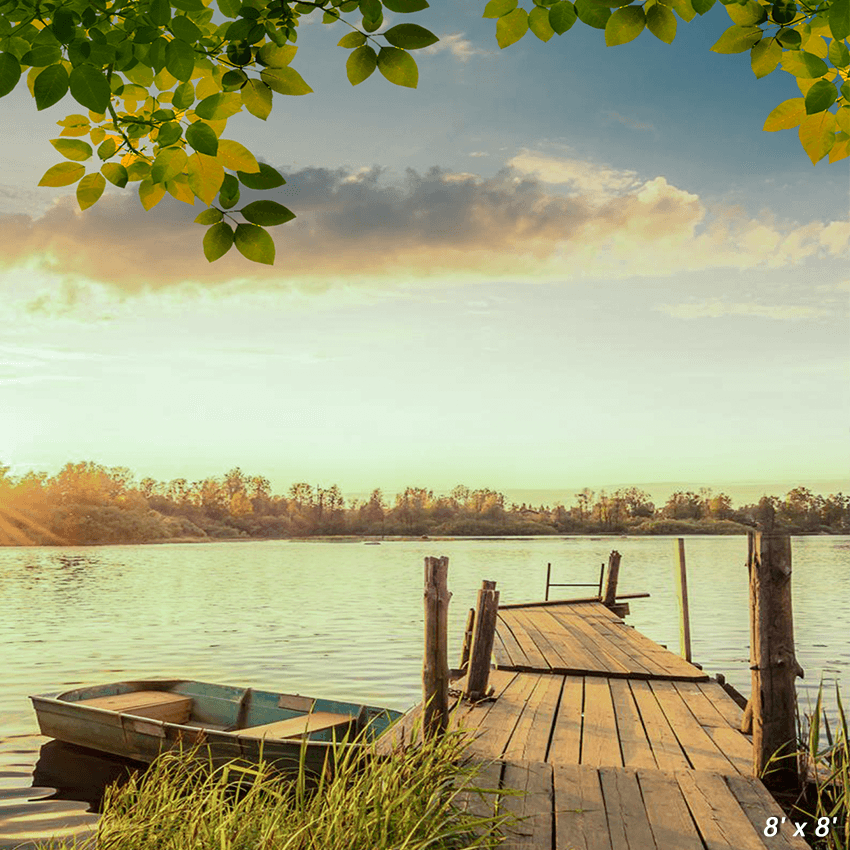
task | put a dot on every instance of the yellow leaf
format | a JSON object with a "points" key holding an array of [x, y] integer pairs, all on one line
{"points": [[236, 157], [206, 87], [840, 150], [98, 134], [150, 193], [787, 115], [179, 188], [89, 189], [817, 135], [63, 174], [205, 176]]}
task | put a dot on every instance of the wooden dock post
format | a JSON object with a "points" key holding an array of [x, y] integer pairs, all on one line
{"points": [[548, 578], [435, 669], [484, 632], [684, 613], [772, 659], [467, 641], [609, 596]]}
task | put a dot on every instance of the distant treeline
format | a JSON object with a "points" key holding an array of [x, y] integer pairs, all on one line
{"points": [[89, 503]]}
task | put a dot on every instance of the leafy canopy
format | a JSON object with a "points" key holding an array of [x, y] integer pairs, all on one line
{"points": [[160, 78]]}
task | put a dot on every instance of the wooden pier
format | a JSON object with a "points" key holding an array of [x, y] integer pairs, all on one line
{"points": [[615, 742]]}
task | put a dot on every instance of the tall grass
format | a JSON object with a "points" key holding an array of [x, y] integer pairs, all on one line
{"points": [[412, 799], [828, 800]]}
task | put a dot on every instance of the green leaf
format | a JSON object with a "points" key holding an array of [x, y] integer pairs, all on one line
{"points": [[160, 12], [361, 64], [63, 25], [497, 8], [511, 28], [229, 193], [765, 56], [107, 149], [276, 56], [562, 16], [218, 240], [625, 25], [115, 173], [788, 114], [820, 97], [285, 81], [538, 23], [409, 36], [73, 149], [202, 138], [205, 176], [10, 73], [180, 59], [737, 39], [168, 164], [42, 56], [90, 87], [839, 55], [254, 243], [685, 10], [168, 134], [237, 157], [398, 67], [234, 79], [352, 40], [63, 174], [661, 22], [266, 178], [405, 7], [230, 8], [218, 106], [210, 216], [50, 86], [184, 96], [839, 19], [783, 12], [150, 193], [702, 6], [749, 14], [789, 39], [186, 29], [267, 213], [257, 98], [817, 135], [804, 65], [592, 14]]}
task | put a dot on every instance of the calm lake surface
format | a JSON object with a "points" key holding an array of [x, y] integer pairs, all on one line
{"points": [[344, 620]]}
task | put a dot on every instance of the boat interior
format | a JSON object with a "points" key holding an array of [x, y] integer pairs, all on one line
{"points": [[243, 711]]}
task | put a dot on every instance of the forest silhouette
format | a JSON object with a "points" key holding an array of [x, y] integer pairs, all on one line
{"points": [[87, 503]]}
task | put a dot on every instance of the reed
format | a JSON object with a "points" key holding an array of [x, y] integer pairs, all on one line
{"points": [[412, 799], [828, 803]]}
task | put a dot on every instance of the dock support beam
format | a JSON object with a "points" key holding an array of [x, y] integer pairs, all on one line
{"points": [[609, 594], [772, 659], [435, 670], [483, 633], [684, 613]]}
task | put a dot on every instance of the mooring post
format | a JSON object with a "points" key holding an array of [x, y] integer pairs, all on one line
{"points": [[772, 660], [435, 669], [548, 577], [609, 596], [483, 634], [684, 614], [467, 641]]}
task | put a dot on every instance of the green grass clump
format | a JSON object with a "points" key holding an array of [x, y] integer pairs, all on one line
{"points": [[828, 803], [410, 800]]}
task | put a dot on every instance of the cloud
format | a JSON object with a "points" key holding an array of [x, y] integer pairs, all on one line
{"points": [[541, 218], [630, 122], [460, 47], [716, 309], [478, 153]]}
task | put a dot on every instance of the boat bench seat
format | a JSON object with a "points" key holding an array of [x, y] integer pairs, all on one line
{"points": [[155, 705], [296, 727]]}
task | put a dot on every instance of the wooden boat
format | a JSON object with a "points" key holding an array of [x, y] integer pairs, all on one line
{"points": [[140, 719]]}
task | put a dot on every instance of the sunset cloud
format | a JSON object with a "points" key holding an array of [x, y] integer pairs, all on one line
{"points": [[542, 218]]}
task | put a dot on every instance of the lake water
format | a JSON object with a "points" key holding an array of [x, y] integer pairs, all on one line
{"points": [[344, 620]]}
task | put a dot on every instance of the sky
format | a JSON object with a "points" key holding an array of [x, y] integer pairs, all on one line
{"points": [[552, 266]]}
